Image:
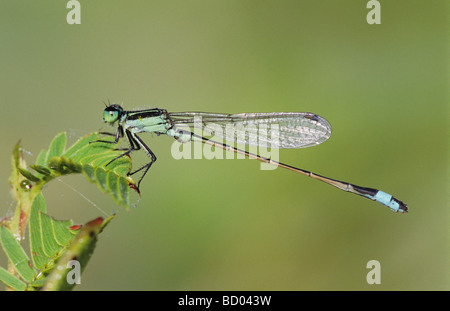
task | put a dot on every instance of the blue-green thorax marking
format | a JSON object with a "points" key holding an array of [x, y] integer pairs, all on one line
{"points": [[150, 120]]}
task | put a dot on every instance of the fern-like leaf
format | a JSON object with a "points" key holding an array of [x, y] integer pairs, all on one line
{"points": [[53, 243], [91, 159]]}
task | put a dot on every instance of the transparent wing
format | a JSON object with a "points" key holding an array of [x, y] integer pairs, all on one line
{"points": [[281, 130]]}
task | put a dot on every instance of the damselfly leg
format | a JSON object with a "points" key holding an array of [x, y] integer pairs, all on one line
{"points": [[136, 143]]}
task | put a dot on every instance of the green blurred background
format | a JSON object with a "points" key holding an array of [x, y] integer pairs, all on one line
{"points": [[225, 224]]}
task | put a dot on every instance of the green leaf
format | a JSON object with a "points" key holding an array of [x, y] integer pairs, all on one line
{"points": [[101, 178], [53, 240], [93, 159], [40, 159], [48, 237], [16, 255], [28, 175], [64, 166], [63, 234], [50, 246], [89, 157], [124, 190], [40, 260], [80, 250], [56, 146], [42, 170], [11, 281], [73, 152]]}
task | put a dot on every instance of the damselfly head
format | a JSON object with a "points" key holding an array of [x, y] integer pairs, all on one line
{"points": [[112, 113]]}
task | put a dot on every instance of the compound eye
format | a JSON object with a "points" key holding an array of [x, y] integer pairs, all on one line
{"points": [[112, 113], [110, 116]]}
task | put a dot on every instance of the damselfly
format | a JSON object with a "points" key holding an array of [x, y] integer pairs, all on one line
{"points": [[294, 130]]}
